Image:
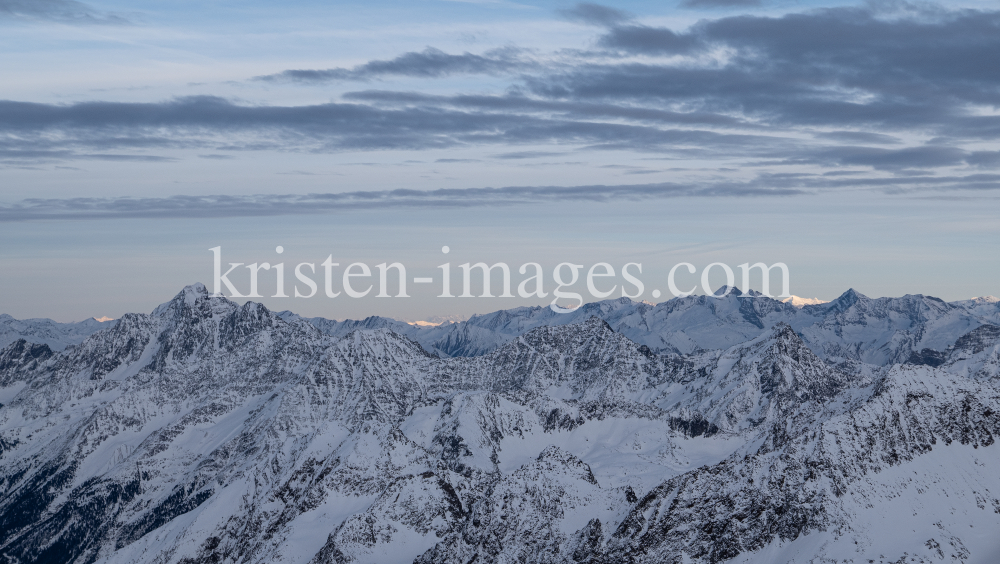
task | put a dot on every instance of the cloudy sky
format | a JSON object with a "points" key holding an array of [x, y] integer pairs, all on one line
{"points": [[855, 142]]}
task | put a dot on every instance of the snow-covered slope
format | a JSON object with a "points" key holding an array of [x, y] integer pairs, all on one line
{"points": [[976, 354], [207, 431], [986, 308], [899, 477]]}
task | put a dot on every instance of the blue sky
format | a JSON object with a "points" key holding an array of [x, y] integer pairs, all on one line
{"points": [[855, 142]]}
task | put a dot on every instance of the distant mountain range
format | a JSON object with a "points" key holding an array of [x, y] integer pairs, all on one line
{"points": [[852, 327], [702, 429], [56, 335]]}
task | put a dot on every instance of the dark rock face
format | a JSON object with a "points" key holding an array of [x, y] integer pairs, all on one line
{"points": [[695, 427], [979, 339], [208, 431], [975, 354], [21, 357], [928, 357]]}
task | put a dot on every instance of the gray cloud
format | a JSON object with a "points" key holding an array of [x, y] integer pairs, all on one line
{"points": [[92, 130], [527, 155], [903, 160], [64, 11], [128, 158], [720, 3], [906, 184], [804, 89], [29, 130], [596, 14], [202, 206], [859, 137], [566, 108], [650, 40], [429, 63], [283, 204], [857, 69], [842, 67], [984, 158], [924, 157]]}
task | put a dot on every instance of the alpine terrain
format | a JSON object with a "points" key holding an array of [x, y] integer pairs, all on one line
{"points": [[728, 428]]}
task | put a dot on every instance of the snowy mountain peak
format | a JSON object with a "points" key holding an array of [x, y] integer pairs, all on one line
{"points": [[800, 302], [782, 344], [196, 288], [847, 299], [565, 337], [728, 290], [191, 293], [782, 332], [195, 300], [786, 373]]}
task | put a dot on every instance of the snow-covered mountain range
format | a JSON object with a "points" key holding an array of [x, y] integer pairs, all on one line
{"points": [[702, 429], [56, 335], [852, 327]]}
